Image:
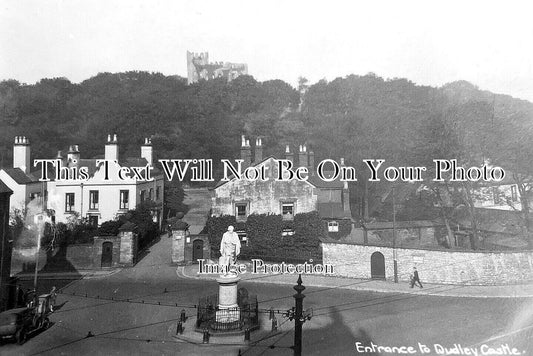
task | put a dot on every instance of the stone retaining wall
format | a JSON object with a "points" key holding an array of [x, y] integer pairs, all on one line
{"points": [[449, 267]]}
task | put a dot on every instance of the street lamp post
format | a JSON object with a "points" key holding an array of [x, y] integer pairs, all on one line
{"points": [[39, 225], [394, 252]]}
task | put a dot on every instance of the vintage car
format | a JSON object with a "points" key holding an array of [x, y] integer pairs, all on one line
{"points": [[20, 322], [16, 323]]}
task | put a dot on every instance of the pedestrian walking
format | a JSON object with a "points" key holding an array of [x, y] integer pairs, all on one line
{"points": [[415, 278], [53, 296]]}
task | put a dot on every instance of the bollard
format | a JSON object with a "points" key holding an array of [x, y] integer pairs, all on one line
{"points": [[247, 335], [206, 337], [274, 324], [182, 315], [179, 329], [271, 315]]}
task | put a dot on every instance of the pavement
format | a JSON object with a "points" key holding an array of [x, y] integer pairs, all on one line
{"points": [[199, 202], [335, 282]]}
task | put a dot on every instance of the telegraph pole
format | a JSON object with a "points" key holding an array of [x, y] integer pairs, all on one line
{"points": [[394, 253]]}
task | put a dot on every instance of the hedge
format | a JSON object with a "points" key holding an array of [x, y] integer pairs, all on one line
{"points": [[264, 236]]}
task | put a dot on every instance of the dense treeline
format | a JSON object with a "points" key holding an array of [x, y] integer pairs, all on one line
{"points": [[202, 120], [354, 117]]}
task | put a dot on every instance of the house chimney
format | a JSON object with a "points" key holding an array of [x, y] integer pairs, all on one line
{"points": [[288, 154], [146, 151], [258, 150], [345, 196], [21, 153], [311, 163], [246, 152], [73, 156], [302, 156], [346, 182], [111, 148]]}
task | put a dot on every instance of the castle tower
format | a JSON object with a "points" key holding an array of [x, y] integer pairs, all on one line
{"points": [[194, 60]]}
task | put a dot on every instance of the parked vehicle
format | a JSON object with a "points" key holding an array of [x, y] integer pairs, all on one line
{"points": [[19, 323]]}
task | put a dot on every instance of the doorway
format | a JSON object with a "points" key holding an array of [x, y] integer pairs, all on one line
{"points": [[197, 250], [107, 254], [377, 265]]}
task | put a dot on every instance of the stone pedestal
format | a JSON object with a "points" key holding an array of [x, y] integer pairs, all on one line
{"points": [[227, 299]]}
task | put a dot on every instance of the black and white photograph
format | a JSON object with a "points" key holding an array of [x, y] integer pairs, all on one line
{"points": [[266, 178]]}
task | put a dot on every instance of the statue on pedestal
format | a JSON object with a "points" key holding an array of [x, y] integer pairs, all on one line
{"points": [[230, 248]]}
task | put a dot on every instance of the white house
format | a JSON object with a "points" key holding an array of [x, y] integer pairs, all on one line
{"points": [[100, 199], [19, 179]]}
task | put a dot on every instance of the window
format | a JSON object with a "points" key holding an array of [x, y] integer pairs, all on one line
{"points": [[150, 193], [241, 211], [287, 232], [514, 194], [333, 226], [496, 195], [287, 211], [69, 202], [143, 193], [157, 192], [93, 200], [124, 199]]}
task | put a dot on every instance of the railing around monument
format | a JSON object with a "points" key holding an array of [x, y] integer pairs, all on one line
{"points": [[245, 316]]}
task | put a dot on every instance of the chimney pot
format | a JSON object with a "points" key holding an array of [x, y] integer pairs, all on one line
{"points": [[21, 154], [115, 138], [108, 138], [243, 141]]}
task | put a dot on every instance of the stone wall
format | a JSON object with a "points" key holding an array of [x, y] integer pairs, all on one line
{"points": [[97, 250], [128, 248], [448, 267], [66, 258], [178, 246]]}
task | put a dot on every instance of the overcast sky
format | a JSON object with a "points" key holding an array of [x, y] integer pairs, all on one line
{"points": [[429, 42]]}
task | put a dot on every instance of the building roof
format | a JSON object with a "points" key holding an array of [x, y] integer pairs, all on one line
{"points": [[20, 177], [320, 183], [384, 225], [313, 179], [92, 167], [4, 188]]}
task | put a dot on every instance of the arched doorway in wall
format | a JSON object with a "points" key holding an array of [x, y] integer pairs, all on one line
{"points": [[197, 250], [377, 265], [107, 254]]}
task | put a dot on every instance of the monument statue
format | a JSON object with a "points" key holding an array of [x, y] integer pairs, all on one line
{"points": [[230, 247]]}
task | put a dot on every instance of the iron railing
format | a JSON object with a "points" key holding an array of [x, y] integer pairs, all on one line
{"points": [[219, 320]]}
